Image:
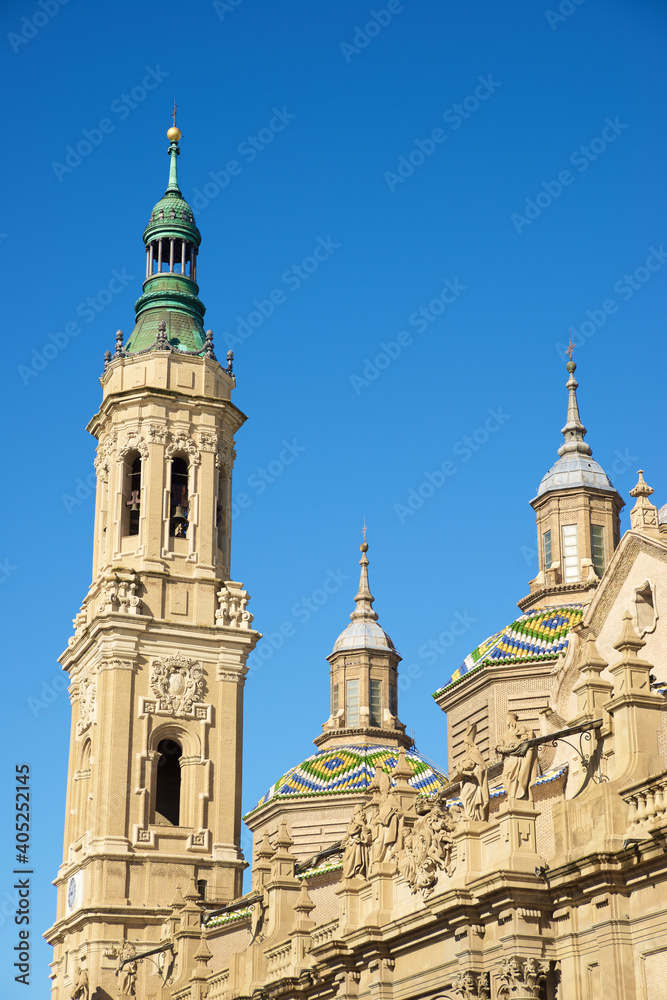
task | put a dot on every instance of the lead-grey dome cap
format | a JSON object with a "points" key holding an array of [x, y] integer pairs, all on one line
{"points": [[575, 470], [363, 635]]}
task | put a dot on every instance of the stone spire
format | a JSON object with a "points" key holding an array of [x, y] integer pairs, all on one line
{"points": [[364, 599], [644, 515], [574, 431]]}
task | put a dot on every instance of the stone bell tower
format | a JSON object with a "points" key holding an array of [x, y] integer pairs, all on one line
{"points": [[157, 659]]}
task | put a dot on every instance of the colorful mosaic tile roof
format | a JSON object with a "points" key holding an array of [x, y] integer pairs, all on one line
{"points": [[349, 768], [323, 869], [540, 634], [228, 918]]}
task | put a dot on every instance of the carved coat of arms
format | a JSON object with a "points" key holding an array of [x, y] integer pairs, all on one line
{"points": [[177, 683]]}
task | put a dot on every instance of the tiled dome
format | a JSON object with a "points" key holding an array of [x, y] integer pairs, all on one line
{"points": [[540, 634], [344, 769]]}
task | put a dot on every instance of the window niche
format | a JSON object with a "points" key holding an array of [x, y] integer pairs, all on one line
{"points": [[178, 520], [131, 493], [352, 702], [570, 550], [168, 784], [645, 611], [375, 703]]}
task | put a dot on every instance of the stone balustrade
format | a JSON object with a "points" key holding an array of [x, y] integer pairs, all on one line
{"points": [[279, 961], [647, 802], [324, 933], [218, 986]]}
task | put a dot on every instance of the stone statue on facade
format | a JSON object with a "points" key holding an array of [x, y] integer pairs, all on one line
{"points": [[80, 990], [356, 845], [471, 772], [519, 767], [385, 817], [127, 973]]}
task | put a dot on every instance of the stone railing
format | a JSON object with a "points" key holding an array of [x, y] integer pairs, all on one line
{"points": [[647, 801], [218, 986], [279, 960], [323, 934]]}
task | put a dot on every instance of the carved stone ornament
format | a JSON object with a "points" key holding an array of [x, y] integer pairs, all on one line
{"points": [[158, 433], [232, 604], [178, 684], [521, 979], [427, 848], [87, 695], [79, 622], [119, 594], [224, 460], [182, 443], [105, 449], [208, 440], [132, 441], [468, 986]]}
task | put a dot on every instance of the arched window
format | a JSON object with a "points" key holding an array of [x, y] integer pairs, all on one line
{"points": [[131, 493], [179, 497], [168, 786], [134, 500]]}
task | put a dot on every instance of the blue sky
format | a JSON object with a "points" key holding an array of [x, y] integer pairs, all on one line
{"points": [[478, 178]]}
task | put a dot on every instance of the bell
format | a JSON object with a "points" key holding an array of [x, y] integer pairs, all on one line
{"points": [[134, 507], [133, 502], [179, 514]]}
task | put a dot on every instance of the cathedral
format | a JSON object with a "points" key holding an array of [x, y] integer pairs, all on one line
{"points": [[537, 868]]}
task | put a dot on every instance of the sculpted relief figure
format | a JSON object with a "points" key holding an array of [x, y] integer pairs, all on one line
{"points": [[518, 770], [356, 846], [472, 773]]}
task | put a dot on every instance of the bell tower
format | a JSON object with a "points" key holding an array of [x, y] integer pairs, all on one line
{"points": [[157, 659]]}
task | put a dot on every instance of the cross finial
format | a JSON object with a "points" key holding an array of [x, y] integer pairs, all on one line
{"points": [[364, 529], [173, 114], [570, 346]]}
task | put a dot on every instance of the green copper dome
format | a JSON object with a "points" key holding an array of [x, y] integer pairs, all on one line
{"points": [[170, 292], [172, 216]]}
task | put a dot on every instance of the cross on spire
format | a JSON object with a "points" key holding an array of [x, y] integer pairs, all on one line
{"points": [[173, 114], [570, 346], [364, 529]]}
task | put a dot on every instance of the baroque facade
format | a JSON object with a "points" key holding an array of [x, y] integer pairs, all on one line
{"points": [[536, 869]]}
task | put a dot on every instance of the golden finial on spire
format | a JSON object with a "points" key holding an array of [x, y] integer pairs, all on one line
{"points": [[174, 134]]}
